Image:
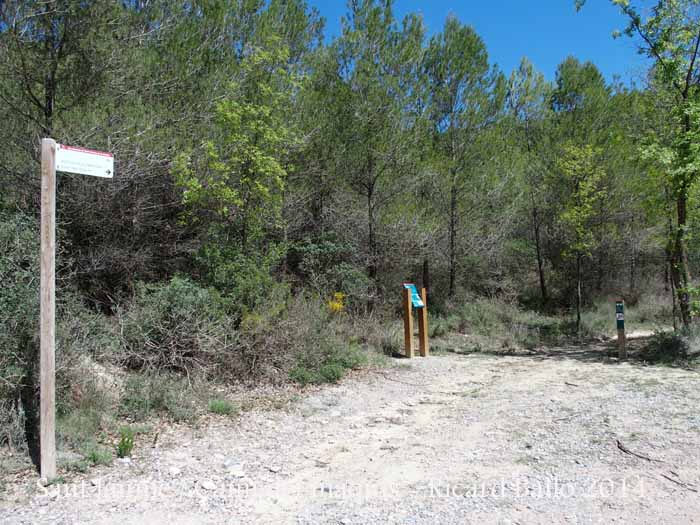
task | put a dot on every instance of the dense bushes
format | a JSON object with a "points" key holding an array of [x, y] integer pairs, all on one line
{"points": [[304, 341], [670, 348], [19, 313], [245, 278], [323, 266], [19, 300], [177, 326], [503, 324], [324, 350], [182, 327], [145, 395]]}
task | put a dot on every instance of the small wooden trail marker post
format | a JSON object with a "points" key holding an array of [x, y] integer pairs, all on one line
{"points": [[74, 160], [423, 324], [621, 337], [407, 322], [411, 300]]}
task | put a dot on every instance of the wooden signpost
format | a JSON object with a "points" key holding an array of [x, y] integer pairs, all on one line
{"points": [[621, 337], [47, 316], [74, 160], [411, 300]]}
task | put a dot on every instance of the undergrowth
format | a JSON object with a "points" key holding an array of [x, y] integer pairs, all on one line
{"points": [[498, 325], [672, 349]]}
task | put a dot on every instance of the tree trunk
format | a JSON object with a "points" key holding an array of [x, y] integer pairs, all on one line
{"points": [[633, 270], [50, 78], [538, 251], [372, 249], [600, 260], [578, 294], [453, 236], [426, 275], [674, 302], [668, 271], [371, 238], [679, 270]]}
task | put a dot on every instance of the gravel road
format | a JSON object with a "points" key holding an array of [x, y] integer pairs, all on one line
{"points": [[562, 436]]}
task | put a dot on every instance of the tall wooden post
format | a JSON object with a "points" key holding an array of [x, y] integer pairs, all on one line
{"points": [[408, 323], [423, 324], [47, 316], [621, 337]]}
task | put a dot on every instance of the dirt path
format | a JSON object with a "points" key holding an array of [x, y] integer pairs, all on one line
{"points": [[448, 439]]}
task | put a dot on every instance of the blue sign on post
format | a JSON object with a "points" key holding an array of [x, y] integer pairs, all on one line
{"points": [[416, 300]]}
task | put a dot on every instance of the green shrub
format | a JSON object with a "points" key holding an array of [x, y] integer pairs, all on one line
{"points": [[83, 332], [126, 442], [599, 319], [354, 283], [391, 342], [83, 339], [653, 310], [246, 277], [147, 395], [302, 375], [19, 296], [316, 365], [222, 407], [482, 317], [439, 326], [177, 326], [323, 264], [81, 466], [302, 340], [11, 426], [19, 318], [98, 455], [332, 372], [78, 426], [666, 348]]}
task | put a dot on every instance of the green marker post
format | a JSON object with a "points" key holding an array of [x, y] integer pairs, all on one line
{"points": [[621, 337]]}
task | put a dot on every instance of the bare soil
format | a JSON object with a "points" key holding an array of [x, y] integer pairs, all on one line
{"points": [[552, 436]]}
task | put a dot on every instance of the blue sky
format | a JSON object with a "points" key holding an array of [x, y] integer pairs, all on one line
{"points": [[546, 31]]}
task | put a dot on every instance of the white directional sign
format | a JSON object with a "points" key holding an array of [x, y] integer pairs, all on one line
{"points": [[84, 161]]}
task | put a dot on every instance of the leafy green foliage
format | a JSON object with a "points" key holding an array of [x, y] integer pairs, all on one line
{"points": [[464, 96], [666, 348], [244, 277], [125, 445], [330, 368], [19, 299], [222, 407], [581, 170], [98, 455], [669, 36], [146, 396], [322, 351], [240, 176]]}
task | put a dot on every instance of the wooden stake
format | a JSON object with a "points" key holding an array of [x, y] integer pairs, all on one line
{"points": [[423, 324], [621, 344], [48, 310], [407, 323]]}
